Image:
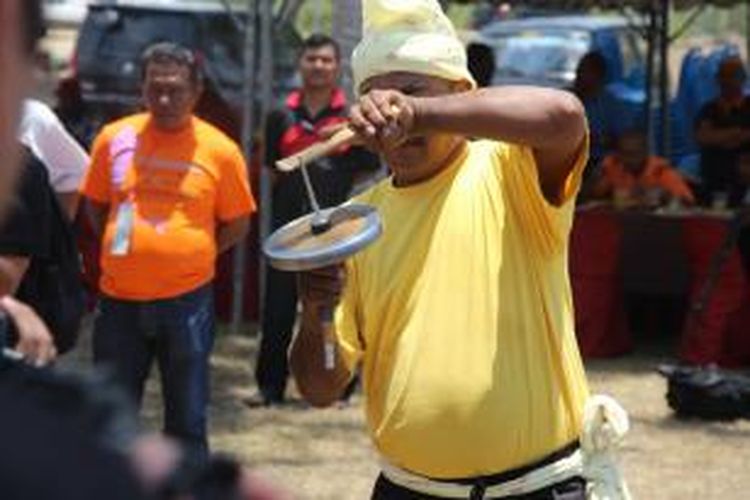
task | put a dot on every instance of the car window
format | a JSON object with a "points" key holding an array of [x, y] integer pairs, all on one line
{"points": [[539, 54], [630, 53], [111, 34]]}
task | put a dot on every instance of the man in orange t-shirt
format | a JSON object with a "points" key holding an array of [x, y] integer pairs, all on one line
{"points": [[641, 179], [168, 192]]}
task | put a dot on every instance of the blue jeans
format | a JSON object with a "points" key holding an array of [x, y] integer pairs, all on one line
{"points": [[179, 333]]}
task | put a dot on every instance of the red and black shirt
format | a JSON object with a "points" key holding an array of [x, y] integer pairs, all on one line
{"points": [[292, 129]]}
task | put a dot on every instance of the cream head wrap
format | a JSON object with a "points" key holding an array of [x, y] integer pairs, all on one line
{"points": [[414, 36]]}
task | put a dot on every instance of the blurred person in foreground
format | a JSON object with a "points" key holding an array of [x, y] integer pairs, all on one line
{"points": [[64, 437], [21, 26], [168, 192], [310, 112], [44, 134], [722, 130], [639, 179], [460, 316], [38, 257], [37, 443]]}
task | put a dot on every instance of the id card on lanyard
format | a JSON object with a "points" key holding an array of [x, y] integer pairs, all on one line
{"points": [[123, 227], [122, 151]]}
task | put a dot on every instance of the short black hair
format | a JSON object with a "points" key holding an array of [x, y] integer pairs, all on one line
{"points": [[597, 60], [318, 40], [33, 25], [171, 52], [481, 62]]}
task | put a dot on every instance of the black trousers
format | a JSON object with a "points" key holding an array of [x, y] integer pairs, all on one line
{"points": [[571, 489], [279, 316]]}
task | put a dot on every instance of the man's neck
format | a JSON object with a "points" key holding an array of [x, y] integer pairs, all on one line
{"points": [[411, 178], [316, 100], [172, 128]]}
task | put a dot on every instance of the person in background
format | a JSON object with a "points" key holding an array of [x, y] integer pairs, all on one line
{"points": [[168, 192], [311, 112], [601, 111], [634, 177], [66, 161], [722, 130]]}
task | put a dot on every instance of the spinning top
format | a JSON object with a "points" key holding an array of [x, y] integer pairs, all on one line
{"points": [[302, 244], [326, 236]]}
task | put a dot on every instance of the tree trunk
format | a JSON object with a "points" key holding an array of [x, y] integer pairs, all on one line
{"points": [[288, 10], [347, 30]]}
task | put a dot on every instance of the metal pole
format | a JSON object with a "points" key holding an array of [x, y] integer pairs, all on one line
{"points": [[248, 125], [665, 147], [650, 64], [266, 92]]}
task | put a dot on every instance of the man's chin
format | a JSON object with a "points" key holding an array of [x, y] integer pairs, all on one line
{"points": [[168, 122], [406, 158]]}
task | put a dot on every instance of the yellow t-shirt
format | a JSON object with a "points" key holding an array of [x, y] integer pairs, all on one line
{"points": [[462, 318]]}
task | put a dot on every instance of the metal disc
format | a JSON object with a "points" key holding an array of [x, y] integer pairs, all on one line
{"points": [[295, 247]]}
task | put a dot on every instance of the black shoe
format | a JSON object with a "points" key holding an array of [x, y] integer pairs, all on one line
{"points": [[261, 400]]}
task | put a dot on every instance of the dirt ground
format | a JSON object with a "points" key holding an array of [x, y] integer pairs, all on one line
{"points": [[325, 454]]}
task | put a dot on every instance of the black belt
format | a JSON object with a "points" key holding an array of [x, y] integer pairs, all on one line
{"points": [[481, 483]]}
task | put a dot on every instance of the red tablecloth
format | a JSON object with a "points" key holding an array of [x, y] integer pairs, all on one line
{"points": [[595, 277], [612, 251]]}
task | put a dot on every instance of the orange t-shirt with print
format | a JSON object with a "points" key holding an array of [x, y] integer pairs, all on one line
{"points": [[167, 192], [657, 174]]}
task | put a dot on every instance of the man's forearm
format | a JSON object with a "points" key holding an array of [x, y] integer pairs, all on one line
{"points": [[69, 203], [535, 117], [320, 385], [97, 214]]}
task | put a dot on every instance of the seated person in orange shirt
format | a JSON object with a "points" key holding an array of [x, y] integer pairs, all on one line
{"points": [[639, 178]]}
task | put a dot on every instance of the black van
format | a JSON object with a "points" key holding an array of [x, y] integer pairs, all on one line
{"points": [[104, 84]]}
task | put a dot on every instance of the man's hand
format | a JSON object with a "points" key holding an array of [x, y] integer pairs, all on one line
{"points": [[321, 288], [320, 372], [232, 232], [384, 119], [34, 339]]}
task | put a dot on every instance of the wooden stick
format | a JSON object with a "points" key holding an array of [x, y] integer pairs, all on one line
{"points": [[341, 138]]}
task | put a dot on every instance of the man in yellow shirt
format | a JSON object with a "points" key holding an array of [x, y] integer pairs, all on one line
{"points": [[460, 316]]}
